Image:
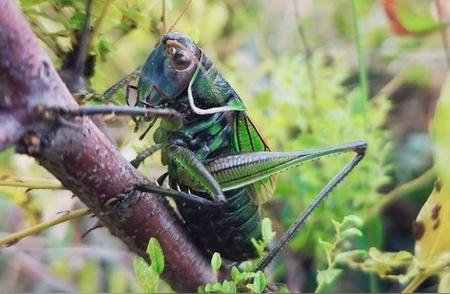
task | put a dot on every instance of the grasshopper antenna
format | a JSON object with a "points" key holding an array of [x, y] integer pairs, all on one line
{"points": [[186, 7], [162, 20]]}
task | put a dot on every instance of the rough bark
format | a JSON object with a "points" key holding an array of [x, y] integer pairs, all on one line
{"points": [[80, 155]]}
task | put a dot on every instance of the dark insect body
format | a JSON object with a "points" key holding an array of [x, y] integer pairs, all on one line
{"points": [[229, 227], [217, 153]]}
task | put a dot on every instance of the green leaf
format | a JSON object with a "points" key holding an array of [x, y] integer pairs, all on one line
{"points": [[104, 47], [147, 277], [246, 266], [266, 229], [259, 282], [327, 246], [353, 255], [216, 262], [415, 16], [229, 287], [235, 273], [156, 255], [76, 22], [352, 221], [326, 279], [209, 287], [351, 232], [337, 225]]}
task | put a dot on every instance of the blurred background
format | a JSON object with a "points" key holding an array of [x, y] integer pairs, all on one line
{"points": [[297, 66]]}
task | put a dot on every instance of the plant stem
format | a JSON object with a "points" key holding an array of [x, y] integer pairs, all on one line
{"points": [[31, 183], [441, 15], [412, 286], [15, 237], [98, 23], [360, 105], [307, 52], [402, 190]]}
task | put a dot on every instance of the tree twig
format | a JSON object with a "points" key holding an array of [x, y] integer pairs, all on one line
{"points": [[15, 237]]}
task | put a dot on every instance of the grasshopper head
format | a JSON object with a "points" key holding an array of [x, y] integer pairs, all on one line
{"points": [[168, 69]]}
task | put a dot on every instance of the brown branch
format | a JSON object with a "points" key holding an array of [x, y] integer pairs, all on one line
{"points": [[81, 157]]}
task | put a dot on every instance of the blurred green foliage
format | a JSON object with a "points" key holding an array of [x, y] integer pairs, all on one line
{"points": [[295, 75]]}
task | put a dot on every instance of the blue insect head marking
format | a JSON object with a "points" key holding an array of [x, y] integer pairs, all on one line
{"points": [[168, 69]]}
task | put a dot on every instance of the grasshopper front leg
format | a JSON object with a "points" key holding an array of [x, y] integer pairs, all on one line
{"points": [[54, 113]]}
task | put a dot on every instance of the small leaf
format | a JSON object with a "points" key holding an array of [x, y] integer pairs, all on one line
{"points": [[327, 246], [351, 232], [326, 278], [235, 273], [104, 47], [259, 282], [229, 287], [156, 255], [352, 221], [246, 266], [266, 229], [216, 262], [146, 276], [411, 17], [337, 225], [353, 255], [209, 287], [76, 22], [217, 287]]}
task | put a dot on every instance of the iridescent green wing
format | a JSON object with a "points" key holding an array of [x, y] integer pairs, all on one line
{"points": [[247, 139]]}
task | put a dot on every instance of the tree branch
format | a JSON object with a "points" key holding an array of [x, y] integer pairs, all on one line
{"points": [[81, 157]]}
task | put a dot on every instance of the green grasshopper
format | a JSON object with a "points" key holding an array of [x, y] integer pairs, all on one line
{"points": [[219, 168]]}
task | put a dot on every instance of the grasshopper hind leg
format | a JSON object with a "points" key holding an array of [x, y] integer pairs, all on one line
{"points": [[359, 148]]}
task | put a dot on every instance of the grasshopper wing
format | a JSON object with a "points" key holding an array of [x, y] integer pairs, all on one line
{"points": [[247, 139]]}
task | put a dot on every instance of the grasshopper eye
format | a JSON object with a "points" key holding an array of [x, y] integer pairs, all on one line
{"points": [[172, 51], [180, 60]]}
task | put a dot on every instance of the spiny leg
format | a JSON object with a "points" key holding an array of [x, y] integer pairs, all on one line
{"points": [[359, 148], [136, 162], [239, 170], [193, 168], [55, 113], [195, 171], [132, 100], [175, 194], [121, 83]]}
